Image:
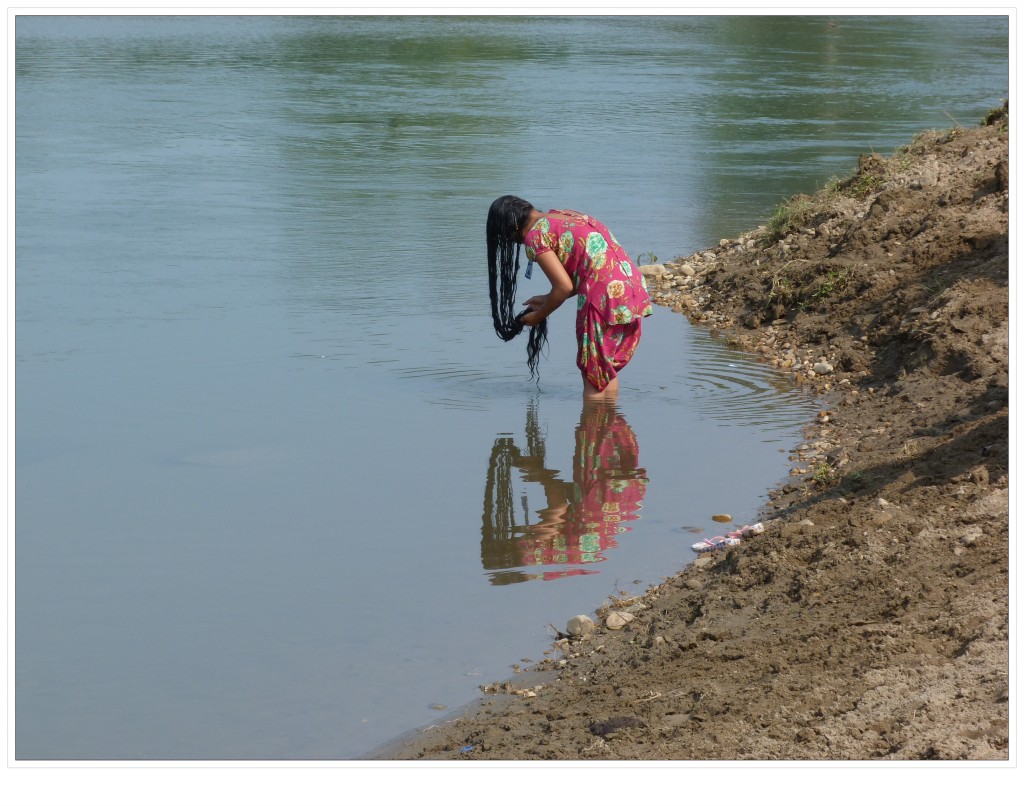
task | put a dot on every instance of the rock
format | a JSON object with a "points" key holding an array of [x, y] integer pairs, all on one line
{"points": [[927, 178], [838, 457], [652, 270], [580, 626], [971, 535], [618, 619], [823, 368], [687, 270], [609, 726], [721, 518], [882, 518]]}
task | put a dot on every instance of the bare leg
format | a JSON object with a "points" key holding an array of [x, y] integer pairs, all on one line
{"points": [[610, 392]]}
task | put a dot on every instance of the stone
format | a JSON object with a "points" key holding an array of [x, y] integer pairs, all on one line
{"points": [[882, 518], [618, 619], [721, 518], [652, 270], [823, 368], [609, 726], [927, 178], [805, 735], [971, 535], [580, 626]]}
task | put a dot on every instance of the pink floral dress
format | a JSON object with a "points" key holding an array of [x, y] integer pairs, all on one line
{"points": [[612, 293]]}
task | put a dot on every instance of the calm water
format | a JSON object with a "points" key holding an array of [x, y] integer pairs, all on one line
{"points": [[279, 487]]}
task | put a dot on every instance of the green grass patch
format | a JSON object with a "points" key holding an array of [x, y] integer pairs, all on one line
{"points": [[803, 287], [786, 217], [824, 475]]}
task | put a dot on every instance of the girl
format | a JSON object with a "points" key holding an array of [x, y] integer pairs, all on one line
{"points": [[581, 257]]}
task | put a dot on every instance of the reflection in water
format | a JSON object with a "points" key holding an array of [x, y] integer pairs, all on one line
{"points": [[582, 518]]}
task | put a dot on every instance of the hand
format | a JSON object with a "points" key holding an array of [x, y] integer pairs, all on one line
{"points": [[536, 303], [531, 319]]}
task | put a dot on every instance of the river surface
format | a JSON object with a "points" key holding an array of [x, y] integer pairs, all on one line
{"points": [[280, 491]]}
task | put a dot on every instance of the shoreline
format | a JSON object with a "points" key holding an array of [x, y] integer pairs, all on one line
{"points": [[871, 619]]}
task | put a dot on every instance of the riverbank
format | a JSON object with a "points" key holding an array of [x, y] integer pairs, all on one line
{"points": [[871, 619]]}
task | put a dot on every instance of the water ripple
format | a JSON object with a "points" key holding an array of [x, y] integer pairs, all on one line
{"points": [[735, 389]]}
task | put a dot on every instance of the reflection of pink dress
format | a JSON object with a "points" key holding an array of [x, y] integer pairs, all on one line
{"points": [[612, 293], [608, 490]]}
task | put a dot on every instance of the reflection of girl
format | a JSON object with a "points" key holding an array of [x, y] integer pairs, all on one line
{"points": [[582, 519], [579, 256]]}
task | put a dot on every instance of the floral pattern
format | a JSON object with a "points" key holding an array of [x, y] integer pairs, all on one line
{"points": [[594, 259], [612, 294]]}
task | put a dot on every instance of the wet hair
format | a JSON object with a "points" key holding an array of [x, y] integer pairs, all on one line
{"points": [[503, 539], [505, 220]]}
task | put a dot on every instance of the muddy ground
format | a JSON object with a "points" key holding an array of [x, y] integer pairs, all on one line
{"points": [[871, 620]]}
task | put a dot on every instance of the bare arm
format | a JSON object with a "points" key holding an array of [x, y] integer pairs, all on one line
{"points": [[561, 289]]}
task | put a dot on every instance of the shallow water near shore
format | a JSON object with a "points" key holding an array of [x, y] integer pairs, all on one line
{"points": [[279, 487]]}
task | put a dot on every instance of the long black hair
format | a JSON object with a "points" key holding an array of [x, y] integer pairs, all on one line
{"points": [[505, 221]]}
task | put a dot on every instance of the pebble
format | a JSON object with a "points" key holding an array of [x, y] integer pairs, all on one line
{"points": [[580, 626], [882, 518], [823, 368], [721, 518], [618, 619], [971, 535], [805, 735], [609, 726]]}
